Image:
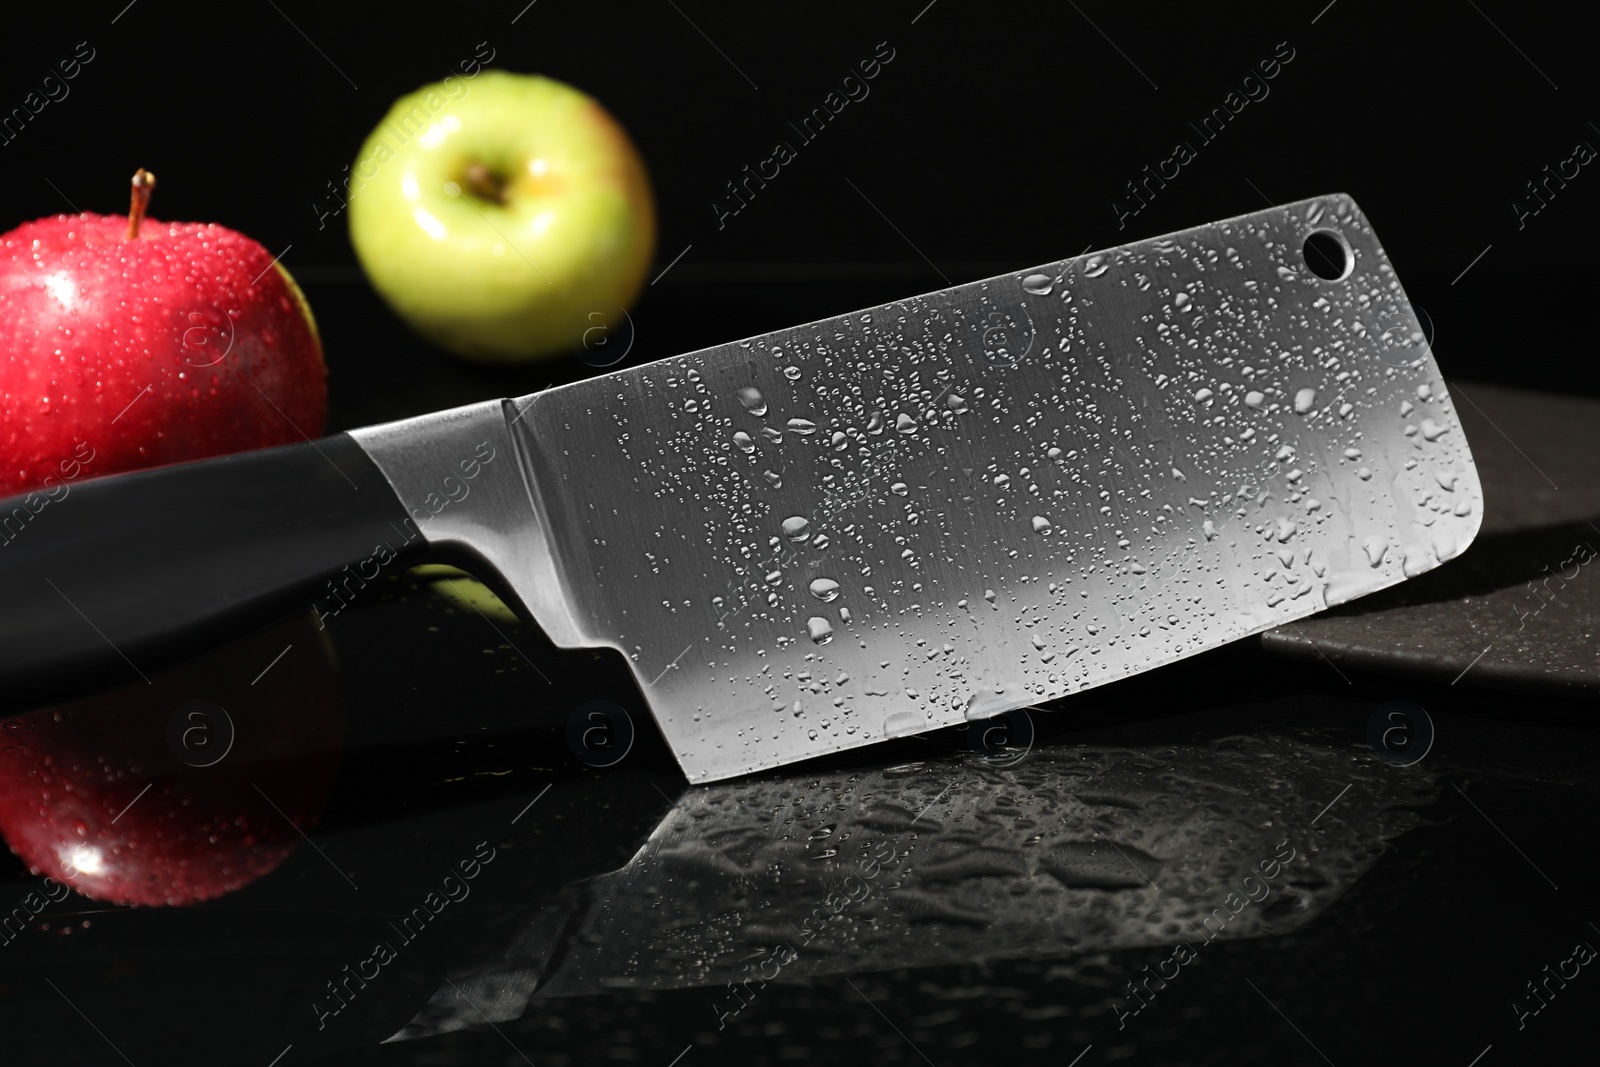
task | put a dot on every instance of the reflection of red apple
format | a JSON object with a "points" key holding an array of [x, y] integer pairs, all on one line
{"points": [[152, 795], [130, 343]]}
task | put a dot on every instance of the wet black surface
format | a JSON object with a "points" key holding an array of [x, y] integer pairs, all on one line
{"points": [[1418, 901]]}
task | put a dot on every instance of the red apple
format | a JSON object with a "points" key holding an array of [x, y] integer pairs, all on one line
{"points": [[127, 342], [182, 790]]}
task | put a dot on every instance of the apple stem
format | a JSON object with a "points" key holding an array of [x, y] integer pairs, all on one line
{"points": [[144, 184], [482, 181]]}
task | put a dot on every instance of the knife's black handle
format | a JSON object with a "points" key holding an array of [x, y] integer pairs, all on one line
{"points": [[105, 580]]}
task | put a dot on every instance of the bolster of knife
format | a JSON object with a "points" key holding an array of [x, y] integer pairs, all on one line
{"points": [[122, 575]]}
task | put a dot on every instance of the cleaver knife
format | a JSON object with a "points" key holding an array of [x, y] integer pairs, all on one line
{"points": [[935, 510]]}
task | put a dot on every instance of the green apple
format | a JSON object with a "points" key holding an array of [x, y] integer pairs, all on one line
{"points": [[498, 213]]}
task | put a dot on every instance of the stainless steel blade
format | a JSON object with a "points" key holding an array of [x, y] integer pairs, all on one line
{"points": [[971, 501]]}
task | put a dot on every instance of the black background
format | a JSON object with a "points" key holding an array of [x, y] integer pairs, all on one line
{"points": [[996, 139]]}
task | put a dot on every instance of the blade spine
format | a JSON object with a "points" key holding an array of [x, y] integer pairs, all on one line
{"points": [[530, 399]]}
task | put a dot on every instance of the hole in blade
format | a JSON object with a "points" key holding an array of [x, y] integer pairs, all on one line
{"points": [[1327, 255]]}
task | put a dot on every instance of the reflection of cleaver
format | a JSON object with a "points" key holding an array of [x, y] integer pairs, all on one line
{"points": [[939, 509], [1076, 850]]}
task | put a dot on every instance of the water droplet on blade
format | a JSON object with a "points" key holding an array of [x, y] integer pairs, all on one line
{"points": [[753, 401], [825, 589], [819, 629]]}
